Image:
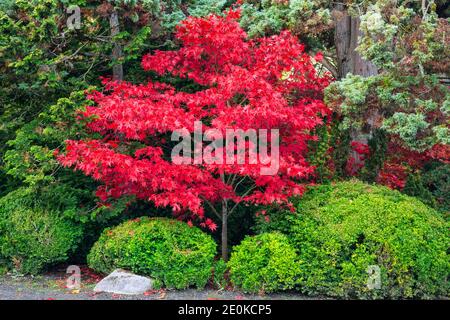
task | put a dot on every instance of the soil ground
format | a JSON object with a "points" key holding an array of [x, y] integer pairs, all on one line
{"points": [[52, 286]]}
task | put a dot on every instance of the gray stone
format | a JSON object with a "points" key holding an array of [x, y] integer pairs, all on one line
{"points": [[124, 282]]}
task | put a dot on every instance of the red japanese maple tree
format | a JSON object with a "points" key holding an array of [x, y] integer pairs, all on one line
{"points": [[267, 83]]}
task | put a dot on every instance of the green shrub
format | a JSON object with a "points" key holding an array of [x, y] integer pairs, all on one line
{"points": [[340, 230], [168, 250], [31, 237], [432, 186], [220, 270], [265, 262]]}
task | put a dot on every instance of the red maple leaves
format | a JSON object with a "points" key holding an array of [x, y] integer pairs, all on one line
{"points": [[401, 162], [267, 83]]}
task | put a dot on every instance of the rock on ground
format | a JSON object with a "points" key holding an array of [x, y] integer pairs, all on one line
{"points": [[124, 282], [52, 286]]}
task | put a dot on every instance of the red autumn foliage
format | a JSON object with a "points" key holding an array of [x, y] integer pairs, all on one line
{"points": [[393, 175], [401, 162], [267, 83], [362, 152]]}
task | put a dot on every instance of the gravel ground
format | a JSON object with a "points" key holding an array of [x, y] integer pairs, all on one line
{"points": [[52, 286]]}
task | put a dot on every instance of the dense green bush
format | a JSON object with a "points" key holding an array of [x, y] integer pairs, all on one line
{"points": [[32, 237], [340, 230], [168, 250], [432, 186], [220, 274], [265, 262]]}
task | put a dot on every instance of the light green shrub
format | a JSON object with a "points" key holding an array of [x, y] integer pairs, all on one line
{"points": [[340, 230], [266, 263], [170, 251]]}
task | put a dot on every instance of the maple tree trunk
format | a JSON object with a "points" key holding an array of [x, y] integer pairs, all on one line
{"points": [[224, 230], [117, 53], [347, 32]]}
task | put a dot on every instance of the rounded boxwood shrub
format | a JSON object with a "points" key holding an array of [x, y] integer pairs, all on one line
{"points": [[264, 263], [341, 230], [170, 251], [33, 238]]}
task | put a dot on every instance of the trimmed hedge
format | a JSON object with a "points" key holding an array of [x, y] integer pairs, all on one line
{"points": [[170, 251], [33, 238], [340, 230], [264, 263]]}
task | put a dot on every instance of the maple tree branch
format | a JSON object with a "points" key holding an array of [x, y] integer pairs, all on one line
{"points": [[242, 197], [212, 207], [231, 179], [239, 182]]}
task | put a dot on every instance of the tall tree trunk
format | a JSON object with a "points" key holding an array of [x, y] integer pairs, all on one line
{"points": [[347, 32], [225, 230], [117, 53]]}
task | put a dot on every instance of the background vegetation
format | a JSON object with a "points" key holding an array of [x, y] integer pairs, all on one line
{"points": [[389, 126]]}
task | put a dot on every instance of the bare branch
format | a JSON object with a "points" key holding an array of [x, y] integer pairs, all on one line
{"points": [[242, 197], [212, 207]]}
